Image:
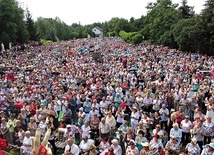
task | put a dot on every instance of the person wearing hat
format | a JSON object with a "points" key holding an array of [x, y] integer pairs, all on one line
{"points": [[193, 147], [132, 149], [135, 115], [176, 131], [173, 146], [208, 149], [145, 150]]}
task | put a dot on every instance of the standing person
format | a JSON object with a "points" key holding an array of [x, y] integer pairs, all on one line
{"points": [[94, 124], [120, 117], [26, 147], [176, 132], [193, 147], [32, 126], [11, 124], [104, 129], [186, 125], [134, 117], [67, 115], [3, 129], [209, 129], [73, 107], [164, 113], [198, 133], [173, 146], [52, 136]]}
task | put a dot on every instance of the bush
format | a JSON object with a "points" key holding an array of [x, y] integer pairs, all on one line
{"points": [[46, 42]]}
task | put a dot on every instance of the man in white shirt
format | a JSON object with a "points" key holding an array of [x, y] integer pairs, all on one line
{"points": [[71, 148], [104, 129]]}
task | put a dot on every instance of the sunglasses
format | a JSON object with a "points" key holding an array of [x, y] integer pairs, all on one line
{"points": [[110, 150]]}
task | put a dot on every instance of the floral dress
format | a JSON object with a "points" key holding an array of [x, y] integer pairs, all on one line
{"points": [[194, 150]]}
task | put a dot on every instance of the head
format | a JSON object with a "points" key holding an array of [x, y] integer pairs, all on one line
{"points": [[158, 127], [132, 144], [114, 142], [186, 118], [175, 126], [27, 134], [70, 141], [111, 150]]}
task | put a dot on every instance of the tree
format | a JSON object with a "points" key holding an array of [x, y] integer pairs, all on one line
{"points": [[31, 27], [12, 26], [161, 16], [185, 10], [206, 26]]}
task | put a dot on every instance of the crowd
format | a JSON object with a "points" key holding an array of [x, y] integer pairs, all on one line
{"points": [[140, 100]]}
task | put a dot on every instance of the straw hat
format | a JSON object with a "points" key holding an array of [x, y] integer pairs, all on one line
{"points": [[146, 144]]}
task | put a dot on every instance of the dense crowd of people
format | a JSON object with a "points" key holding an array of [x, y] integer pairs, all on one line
{"points": [[139, 100]]}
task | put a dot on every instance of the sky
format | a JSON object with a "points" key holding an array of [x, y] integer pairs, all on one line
{"points": [[91, 11]]}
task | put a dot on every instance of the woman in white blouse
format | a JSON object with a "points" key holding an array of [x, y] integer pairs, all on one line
{"points": [[86, 130], [26, 148], [186, 125]]}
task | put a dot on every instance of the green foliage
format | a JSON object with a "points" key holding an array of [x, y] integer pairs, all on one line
{"points": [[185, 10], [46, 42], [31, 27], [131, 37], [12, 26]]}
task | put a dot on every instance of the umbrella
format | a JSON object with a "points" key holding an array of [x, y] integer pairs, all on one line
{"points": [[133, 69], [19, 105], [49, 112], [55, 73]]}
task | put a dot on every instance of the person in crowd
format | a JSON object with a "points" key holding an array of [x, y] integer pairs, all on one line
{"points": [[164, 113], [176, 132], [209, 129], [186, 125], [94, 125], [86, 130], [26, 147], [110, 119], [11, 124], [3, 129], [32, 126], [134, 117], [117, 148], [208, 149], [139, 139], [172, 146], [104, 144], [145, 150], [193, 147], [198, 133], [128, 136], [93, 150], [71, 148], [156, 144], [104, 129], [132, 149], [85, 144]]}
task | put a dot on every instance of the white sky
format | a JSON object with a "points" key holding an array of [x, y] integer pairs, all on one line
{"points": [[91, 11]]}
